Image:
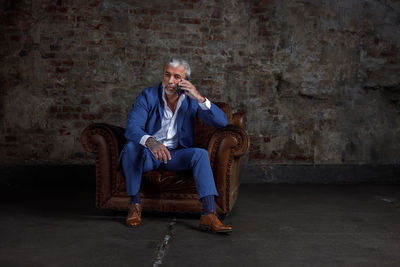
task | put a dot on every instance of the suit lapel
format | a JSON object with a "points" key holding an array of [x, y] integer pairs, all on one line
{"points": [[160, 108], [181, 114]]}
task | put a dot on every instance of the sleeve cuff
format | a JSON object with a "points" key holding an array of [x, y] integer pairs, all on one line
{"points": [[144, 139], [205, 105]]}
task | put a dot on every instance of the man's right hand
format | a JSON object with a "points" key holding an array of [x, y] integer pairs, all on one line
{"points": [[159, 151]]}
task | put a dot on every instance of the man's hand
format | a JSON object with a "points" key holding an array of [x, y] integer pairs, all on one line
{"points": [[159, 151], [191, 91]]}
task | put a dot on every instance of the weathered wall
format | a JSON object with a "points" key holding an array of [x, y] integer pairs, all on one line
{"points": [[319, 80]]}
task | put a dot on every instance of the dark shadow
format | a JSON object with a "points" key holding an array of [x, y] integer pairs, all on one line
{"points": [[65, 192], [54, 191]]}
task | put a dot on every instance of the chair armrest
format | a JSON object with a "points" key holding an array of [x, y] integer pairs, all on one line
{"points": [[239, 119], [230, 138], [105, 142], [225, 148], [112, 134]]}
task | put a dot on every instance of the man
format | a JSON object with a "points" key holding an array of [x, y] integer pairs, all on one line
{"points": [[159, 134]]}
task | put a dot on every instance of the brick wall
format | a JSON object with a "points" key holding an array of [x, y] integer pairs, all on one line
{"points": [[318, 80]]}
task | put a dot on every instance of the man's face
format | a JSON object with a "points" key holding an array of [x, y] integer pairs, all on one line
{"points": [[172, 76]]}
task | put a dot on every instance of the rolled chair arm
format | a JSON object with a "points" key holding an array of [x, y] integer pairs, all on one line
{"points": [[232, 138], [111, 133], [239, 119], [105, 142], [225, 148]]}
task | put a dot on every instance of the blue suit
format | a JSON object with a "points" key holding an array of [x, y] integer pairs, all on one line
{"points": [[145, 118]]}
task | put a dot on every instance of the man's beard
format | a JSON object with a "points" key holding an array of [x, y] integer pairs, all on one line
{"points": [[169, 92]]}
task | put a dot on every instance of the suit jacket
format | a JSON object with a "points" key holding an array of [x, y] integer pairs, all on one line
{"points": [[145, 118]]}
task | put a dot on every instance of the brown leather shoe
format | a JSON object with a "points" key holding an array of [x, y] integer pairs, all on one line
{"points": [[210, 222], [134, 215]]}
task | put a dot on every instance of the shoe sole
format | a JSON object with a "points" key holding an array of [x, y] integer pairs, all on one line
{"points": [[209, 229], [133, 226]]}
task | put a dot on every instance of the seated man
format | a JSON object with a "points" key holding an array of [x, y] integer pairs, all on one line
{"points": [[159, 134]]}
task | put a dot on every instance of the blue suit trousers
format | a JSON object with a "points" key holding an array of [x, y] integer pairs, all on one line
{"points": [[195, 159]]}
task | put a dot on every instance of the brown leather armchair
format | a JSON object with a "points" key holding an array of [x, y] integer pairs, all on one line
{"points": [[168, 190]]}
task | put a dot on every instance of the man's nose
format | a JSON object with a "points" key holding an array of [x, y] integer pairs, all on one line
{"points": [[171, 79]]}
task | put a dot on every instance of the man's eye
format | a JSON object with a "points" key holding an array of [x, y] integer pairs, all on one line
{"points": [[177, 77]]}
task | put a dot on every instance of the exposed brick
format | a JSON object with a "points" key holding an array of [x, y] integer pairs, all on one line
{"points": [[50, 9], [62, 9], [10, 138], [217, 14], [48, 55], [301, 81], [185, 50], [216, 22], [274, 155], [181, 28], [257, 155], [143, 26], [15, 38], [218, 37], [204, 29], [236, 67], [53, 109], [254, 148], [55, 63], [92, 116], [259, 10], [106, 18], [81, 18], [113, 42], [165, 35], [67, 116], [207, 37], [79, 125], [96, 27], [116, 110], [68, 63], [85, 101], [62, 70], [94, 43], [153, 12], [189, 21], [156, 27], [210, 83], [56, 18]]}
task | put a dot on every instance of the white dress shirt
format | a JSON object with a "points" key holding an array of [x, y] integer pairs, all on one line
{"points": [[168, 134]]}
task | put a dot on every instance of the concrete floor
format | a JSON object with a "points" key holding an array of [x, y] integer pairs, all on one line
{"points": [[48, 218]]}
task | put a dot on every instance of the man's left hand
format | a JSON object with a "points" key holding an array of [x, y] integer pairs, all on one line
{"points": [[191, 91]]}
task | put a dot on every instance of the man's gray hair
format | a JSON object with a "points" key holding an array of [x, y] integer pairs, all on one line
{"points": [[175, 62]]}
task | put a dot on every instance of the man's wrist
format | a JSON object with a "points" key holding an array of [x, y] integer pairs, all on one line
{"points": [[149, 141], [143, 140], [201, 99], [206, 105]]}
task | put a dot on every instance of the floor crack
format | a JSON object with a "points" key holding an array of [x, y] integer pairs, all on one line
{"points": [[162, 248]]}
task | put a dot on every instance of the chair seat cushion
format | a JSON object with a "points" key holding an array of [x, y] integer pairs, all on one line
{"points": [[162, 181]]}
